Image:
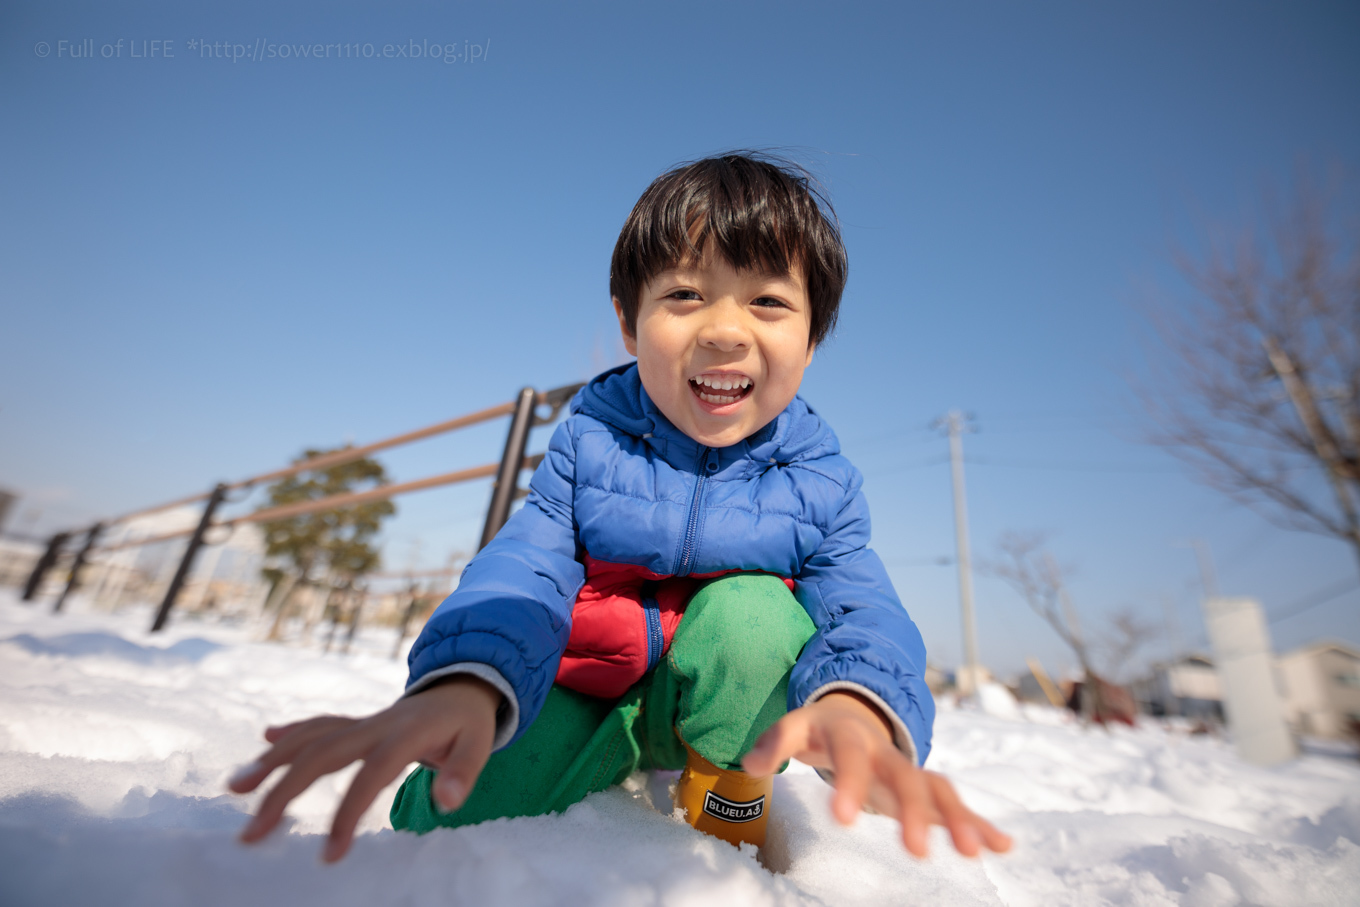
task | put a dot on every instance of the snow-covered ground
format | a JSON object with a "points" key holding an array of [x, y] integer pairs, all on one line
{"points": [[114, 745]]}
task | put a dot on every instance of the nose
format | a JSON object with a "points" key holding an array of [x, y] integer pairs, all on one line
{"points": [[724, 328]]}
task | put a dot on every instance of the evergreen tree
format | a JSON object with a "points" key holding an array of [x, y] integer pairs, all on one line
{"points": [[336, 542]]}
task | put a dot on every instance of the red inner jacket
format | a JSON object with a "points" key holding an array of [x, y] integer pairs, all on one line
{"points": [[608, 649]]}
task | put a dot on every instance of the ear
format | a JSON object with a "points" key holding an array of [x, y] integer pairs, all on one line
{"points": [[812, 348], [629, 340]]}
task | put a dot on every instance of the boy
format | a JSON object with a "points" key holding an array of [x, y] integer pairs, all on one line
{"points": [[688, 583]]}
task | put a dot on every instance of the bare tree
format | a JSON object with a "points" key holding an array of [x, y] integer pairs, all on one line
{"points": [[1127, 634], [1032, 571], [1026, 565], [1260, 389]]}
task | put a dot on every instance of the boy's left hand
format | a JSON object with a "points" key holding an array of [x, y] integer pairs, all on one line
{"points": [[843, 732]]}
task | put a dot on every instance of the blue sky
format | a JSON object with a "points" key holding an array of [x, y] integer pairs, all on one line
{"points": [[207, 265]]}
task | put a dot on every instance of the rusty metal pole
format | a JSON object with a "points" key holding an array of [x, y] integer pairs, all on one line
{"points": [[90, 537], [195, 542], [406, 616], [45, 563], [507, 478], [356, 614]]}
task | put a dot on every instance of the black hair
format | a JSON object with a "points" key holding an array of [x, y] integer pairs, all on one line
{"points": [[759, 210]]}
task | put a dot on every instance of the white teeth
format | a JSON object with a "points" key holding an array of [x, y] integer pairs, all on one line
{"points": [[721, 383]]}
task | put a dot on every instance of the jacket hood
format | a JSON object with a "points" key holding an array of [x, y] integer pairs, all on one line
{"points": [[618, 399]]}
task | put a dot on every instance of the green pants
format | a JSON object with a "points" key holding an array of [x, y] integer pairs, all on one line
{"points": [[724, 681]]}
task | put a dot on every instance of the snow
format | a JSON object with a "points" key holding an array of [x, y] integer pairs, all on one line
{"points": [[114, 745], [994, 699]]}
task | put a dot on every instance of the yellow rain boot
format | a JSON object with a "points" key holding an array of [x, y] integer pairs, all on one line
{"points": [[724, 803]]}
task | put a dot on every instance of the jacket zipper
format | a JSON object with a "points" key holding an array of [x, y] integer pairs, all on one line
{"points": [[687, 550], [656, 641]]}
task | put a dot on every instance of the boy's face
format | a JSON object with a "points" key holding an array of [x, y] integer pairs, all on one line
{"points": [[720, 351]]}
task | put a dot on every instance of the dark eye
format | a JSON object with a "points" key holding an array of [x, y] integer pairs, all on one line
{"points": [[769, 302], [684, 294]]}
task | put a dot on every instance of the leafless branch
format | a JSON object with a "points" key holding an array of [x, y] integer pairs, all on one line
{"points": [[1127, 634], [1031, 571], [1258, 383]]}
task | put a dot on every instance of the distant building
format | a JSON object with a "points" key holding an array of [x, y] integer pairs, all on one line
{"points": [[7, 499], [1187, 686], [1321, 686], [949, 680]]}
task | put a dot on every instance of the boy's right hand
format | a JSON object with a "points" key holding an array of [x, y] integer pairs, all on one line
{"points": [[449, 726]]}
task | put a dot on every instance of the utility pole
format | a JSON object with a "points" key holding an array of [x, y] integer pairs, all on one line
{"points": [[1173, 632], [1206, 568], [955, 424], [1173, 645]]}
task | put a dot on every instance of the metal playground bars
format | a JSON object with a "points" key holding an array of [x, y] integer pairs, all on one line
{"points": [[505, 490]]}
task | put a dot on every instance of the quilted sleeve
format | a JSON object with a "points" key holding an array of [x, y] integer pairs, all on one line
{"points": [[511, 612], [865, 641]]}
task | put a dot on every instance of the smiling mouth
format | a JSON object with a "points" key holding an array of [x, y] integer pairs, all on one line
{"points": [[720, 390]]}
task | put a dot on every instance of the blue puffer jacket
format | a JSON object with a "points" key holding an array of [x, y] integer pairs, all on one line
{"points": [[622, 484]]}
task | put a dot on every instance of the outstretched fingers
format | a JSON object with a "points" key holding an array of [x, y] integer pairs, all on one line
{"points": [[954, 815], [381, 767], [276, 732], [996, 840], [967, 828], [868, 768], [459, 768], [784, 740], [323, 755], [850, 756], [915, 811], [288, 740]]}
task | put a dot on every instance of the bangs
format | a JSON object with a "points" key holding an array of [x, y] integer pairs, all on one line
{"points": [[743, 224], [759, 213]]}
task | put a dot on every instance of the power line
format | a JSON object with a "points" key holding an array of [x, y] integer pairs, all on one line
{"points": [[1091, 417], [915, 434], [1071, 467], [936, 460], [1241, 551], [918, 433], [1321, 597], [1030, 464], [941, 561]]}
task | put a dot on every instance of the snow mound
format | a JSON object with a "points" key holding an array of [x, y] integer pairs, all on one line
{"points": [[114, 745], [996, 700]]}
